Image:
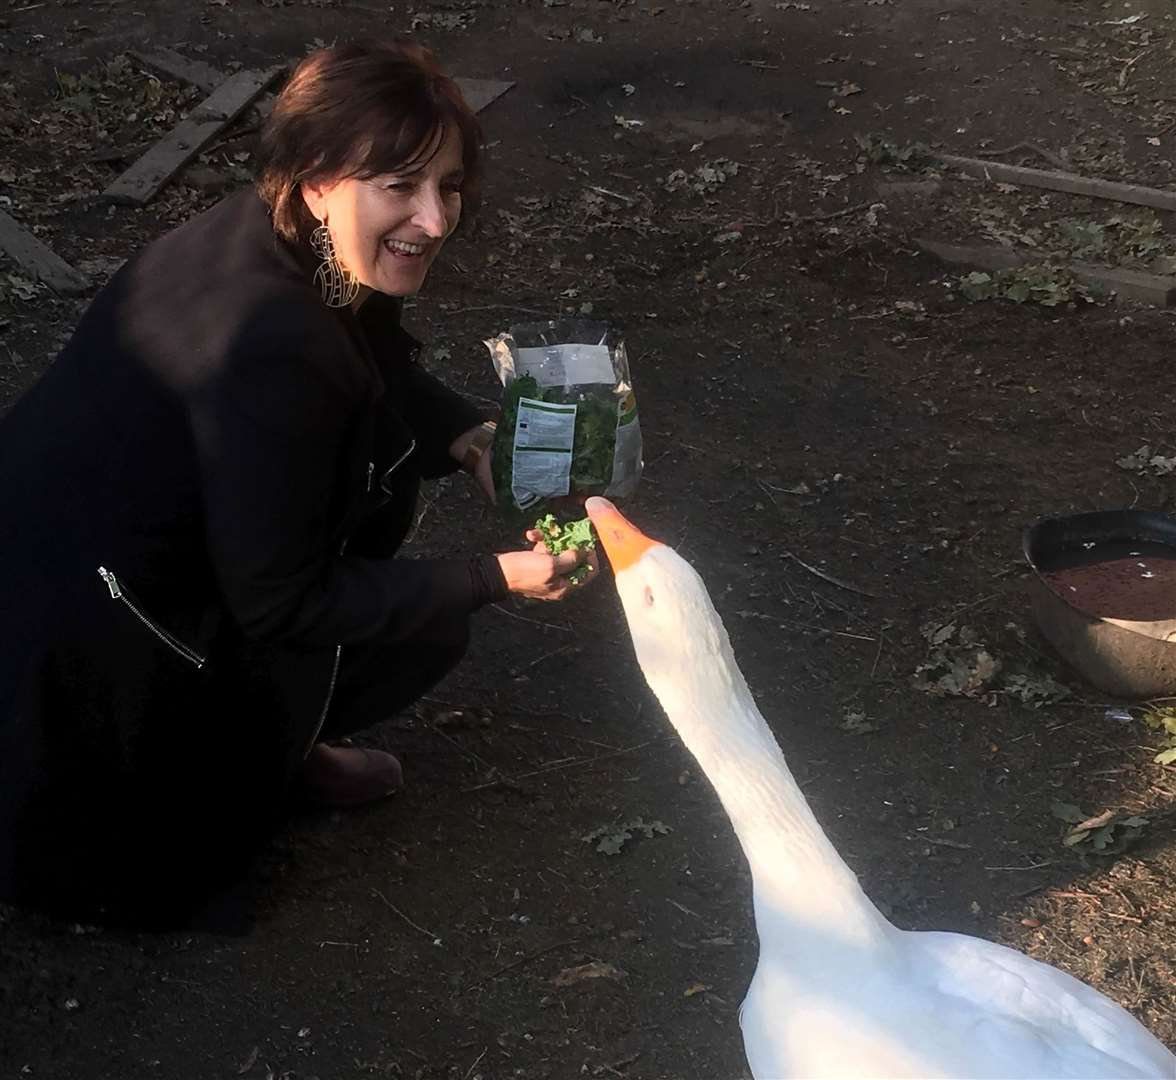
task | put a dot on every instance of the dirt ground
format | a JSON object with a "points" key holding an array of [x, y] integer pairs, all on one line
{"points": [[820, 399]]}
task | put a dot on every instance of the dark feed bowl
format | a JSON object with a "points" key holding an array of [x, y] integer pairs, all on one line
{"points": [[1103, 592]]}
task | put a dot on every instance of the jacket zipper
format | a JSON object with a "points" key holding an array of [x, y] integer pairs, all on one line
{"points": [[371, 469], [392, 468], [172, 642]]}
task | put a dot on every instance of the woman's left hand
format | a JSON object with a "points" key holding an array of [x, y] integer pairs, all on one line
{"points": [[588, 559]]}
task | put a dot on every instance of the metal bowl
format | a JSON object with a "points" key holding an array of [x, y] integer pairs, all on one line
{"points": [[1124, 658]]}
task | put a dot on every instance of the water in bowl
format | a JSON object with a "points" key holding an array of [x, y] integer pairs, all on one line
{"points": [[1133, 580]]}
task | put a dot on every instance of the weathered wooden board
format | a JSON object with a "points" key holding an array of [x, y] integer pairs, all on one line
{"points": [[481, 92], [31, 255], [1158, 289], [142, 180], [228, 99], [1135, 194], [170, 63], [478, 92], [196, 72]]}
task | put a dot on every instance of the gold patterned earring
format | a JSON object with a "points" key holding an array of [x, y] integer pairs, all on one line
{"points": [[338, 286]]}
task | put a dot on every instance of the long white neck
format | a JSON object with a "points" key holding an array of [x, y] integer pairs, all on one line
{"points": [[806, 898]]}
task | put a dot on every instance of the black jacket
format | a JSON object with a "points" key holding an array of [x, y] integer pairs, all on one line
{"points": [[199, 501]]}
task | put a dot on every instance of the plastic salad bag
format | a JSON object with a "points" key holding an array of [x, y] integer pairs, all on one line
{"points": [[569, 417]]}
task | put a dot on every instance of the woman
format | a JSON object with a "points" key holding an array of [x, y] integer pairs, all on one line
{"points": [[202, 500]]}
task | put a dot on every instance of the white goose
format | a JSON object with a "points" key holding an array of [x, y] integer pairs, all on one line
{"points": [[838, 990]]}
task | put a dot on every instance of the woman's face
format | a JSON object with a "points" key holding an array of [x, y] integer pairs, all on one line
{"points": [[388, 229]]}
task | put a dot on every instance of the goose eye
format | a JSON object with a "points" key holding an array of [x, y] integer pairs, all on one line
{"points": [[648, 596]]}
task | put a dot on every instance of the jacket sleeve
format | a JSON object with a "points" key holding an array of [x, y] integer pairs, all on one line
{"points": [[271, 428]]}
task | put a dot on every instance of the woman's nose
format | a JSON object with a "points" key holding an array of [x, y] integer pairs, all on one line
{"points": [[430, 214]]}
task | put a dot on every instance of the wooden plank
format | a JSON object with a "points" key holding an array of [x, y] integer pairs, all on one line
{"points": [[1137, 285], [170, 63], [481, 92], [478, 92], [142, 180], [196, 72], [31, 255], [1136, 194]]}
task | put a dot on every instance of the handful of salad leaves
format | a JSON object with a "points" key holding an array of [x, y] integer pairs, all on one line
{"points": [[569, 417], [572, 535]]}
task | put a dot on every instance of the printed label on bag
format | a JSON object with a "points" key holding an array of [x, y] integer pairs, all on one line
{"points": [[567, 365], [543, 438], [627, 453]]}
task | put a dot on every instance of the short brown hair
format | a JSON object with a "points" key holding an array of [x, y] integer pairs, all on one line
{"points": [[359, 111]]}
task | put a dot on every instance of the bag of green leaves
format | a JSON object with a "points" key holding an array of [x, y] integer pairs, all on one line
{"points": [[569, 418]]}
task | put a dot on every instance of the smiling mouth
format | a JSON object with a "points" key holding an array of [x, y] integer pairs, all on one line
{"points": [[404, 249]]}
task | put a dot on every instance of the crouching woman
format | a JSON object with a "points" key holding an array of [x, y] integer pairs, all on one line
{"points": [[204, 496]]}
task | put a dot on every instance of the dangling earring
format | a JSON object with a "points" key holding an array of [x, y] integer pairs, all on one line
{"points": [[338, 286]]}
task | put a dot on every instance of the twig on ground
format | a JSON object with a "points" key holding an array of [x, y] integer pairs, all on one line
{"points": [[416, 926], [830, 215], [534, 622], [1057, 162], [1129, 65], [1031, 866], [684, 908], [826, 630], [470, 1070], [830, 578], [563, 735], [561, 766], [878, 654], [611, 194], [523, 960], [461, 749], [516, 672], [501, 307]]}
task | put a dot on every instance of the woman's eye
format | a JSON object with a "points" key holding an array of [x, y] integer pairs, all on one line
{"points": [[400, 186]]}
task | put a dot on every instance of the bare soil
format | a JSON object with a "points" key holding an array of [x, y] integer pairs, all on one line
{"points": [[820, 400]]}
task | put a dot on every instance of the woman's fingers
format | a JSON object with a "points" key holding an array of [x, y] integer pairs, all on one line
{"points": [[567, 561], [592, 561]]}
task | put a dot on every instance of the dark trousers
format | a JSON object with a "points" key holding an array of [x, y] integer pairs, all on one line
{"points": [[148, 846], [378, 680]]}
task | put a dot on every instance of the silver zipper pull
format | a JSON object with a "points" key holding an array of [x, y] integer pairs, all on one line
{"points": [[111, 582], [371, 470]]}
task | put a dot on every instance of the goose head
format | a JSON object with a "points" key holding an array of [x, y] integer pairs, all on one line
{"points": [[677, 634]]}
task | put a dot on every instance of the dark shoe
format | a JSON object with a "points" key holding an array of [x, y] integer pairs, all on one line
{"points": [[348, 775]]}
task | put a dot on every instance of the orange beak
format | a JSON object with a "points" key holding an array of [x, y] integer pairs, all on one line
{"points": [[623, 542]]}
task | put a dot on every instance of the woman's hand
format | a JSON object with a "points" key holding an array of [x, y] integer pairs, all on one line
{"points": [[540, 575], [475, 450]]}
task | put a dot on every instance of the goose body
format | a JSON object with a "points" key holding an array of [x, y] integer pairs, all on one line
{"points": [[838, 990]]}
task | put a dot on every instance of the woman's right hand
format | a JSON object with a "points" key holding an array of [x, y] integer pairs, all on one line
{"points": [[537, 573]]}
